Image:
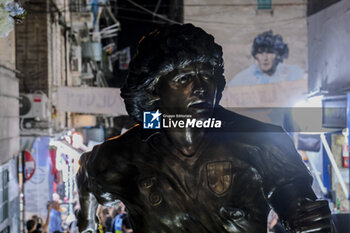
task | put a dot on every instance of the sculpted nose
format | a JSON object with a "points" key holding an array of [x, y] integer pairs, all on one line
{"points": [[199, 92], [198, 86]]}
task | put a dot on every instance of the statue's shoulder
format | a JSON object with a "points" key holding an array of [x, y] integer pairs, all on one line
{"points": [[132, 135], [115, 147], [112, 153], [124, 142]]}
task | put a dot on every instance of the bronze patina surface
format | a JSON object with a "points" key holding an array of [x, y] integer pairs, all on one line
{"points": [[188, 180]]}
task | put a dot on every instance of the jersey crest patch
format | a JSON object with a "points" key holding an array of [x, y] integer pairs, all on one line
{"points": [[219, 175]]}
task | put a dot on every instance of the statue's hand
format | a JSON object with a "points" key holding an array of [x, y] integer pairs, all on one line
{"points": [[311, 216], [86, 225]]}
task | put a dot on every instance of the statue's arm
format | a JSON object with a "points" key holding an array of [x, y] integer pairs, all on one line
{"points": [[288, 188], [300, 210], [87, 219]]}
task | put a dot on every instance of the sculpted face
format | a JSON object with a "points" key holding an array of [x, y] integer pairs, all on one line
{"points": [[266, 60], [188, 90]]}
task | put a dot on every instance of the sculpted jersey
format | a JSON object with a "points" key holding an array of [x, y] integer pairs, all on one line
{"points": [[223, 187]]}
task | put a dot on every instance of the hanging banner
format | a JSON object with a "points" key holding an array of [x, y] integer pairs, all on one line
{"points": [[30, 165], [37, 190], [95, 100]]}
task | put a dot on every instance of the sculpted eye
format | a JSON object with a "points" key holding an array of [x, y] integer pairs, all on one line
{"points": [[206, 74], [184, 79], [205, 77], [231, 213]]}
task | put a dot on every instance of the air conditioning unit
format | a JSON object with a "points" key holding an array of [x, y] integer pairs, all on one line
{"points": [[82, 20], [35, 106]]}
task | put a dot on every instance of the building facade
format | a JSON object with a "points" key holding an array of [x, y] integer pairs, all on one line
{"points": [[9, 136]]}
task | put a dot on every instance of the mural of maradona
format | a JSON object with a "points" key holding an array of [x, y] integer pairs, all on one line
{"points": [[269, 51]]}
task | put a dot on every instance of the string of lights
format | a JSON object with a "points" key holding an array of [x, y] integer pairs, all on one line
{"points": [[144, 10], [247, 24], [153, 13]]}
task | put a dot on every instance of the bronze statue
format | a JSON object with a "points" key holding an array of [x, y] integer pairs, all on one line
{"points": [[195, 180]]}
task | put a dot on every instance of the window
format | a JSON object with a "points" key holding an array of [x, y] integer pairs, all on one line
{"points": [[5, 197], [264, 4], [75, 65]]}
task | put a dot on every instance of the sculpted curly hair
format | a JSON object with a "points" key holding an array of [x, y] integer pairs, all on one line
{"points": [[161, 52], [266, 41]]}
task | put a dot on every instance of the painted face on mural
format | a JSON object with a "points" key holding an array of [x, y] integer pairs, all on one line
{"points": [[266, 61], [188, 90]]}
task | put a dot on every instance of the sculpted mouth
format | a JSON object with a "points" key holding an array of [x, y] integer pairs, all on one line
{"points": [[199, 104]]}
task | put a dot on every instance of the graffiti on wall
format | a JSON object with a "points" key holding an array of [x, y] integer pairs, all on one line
{"points": [[269, 51], [267, 84]]}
